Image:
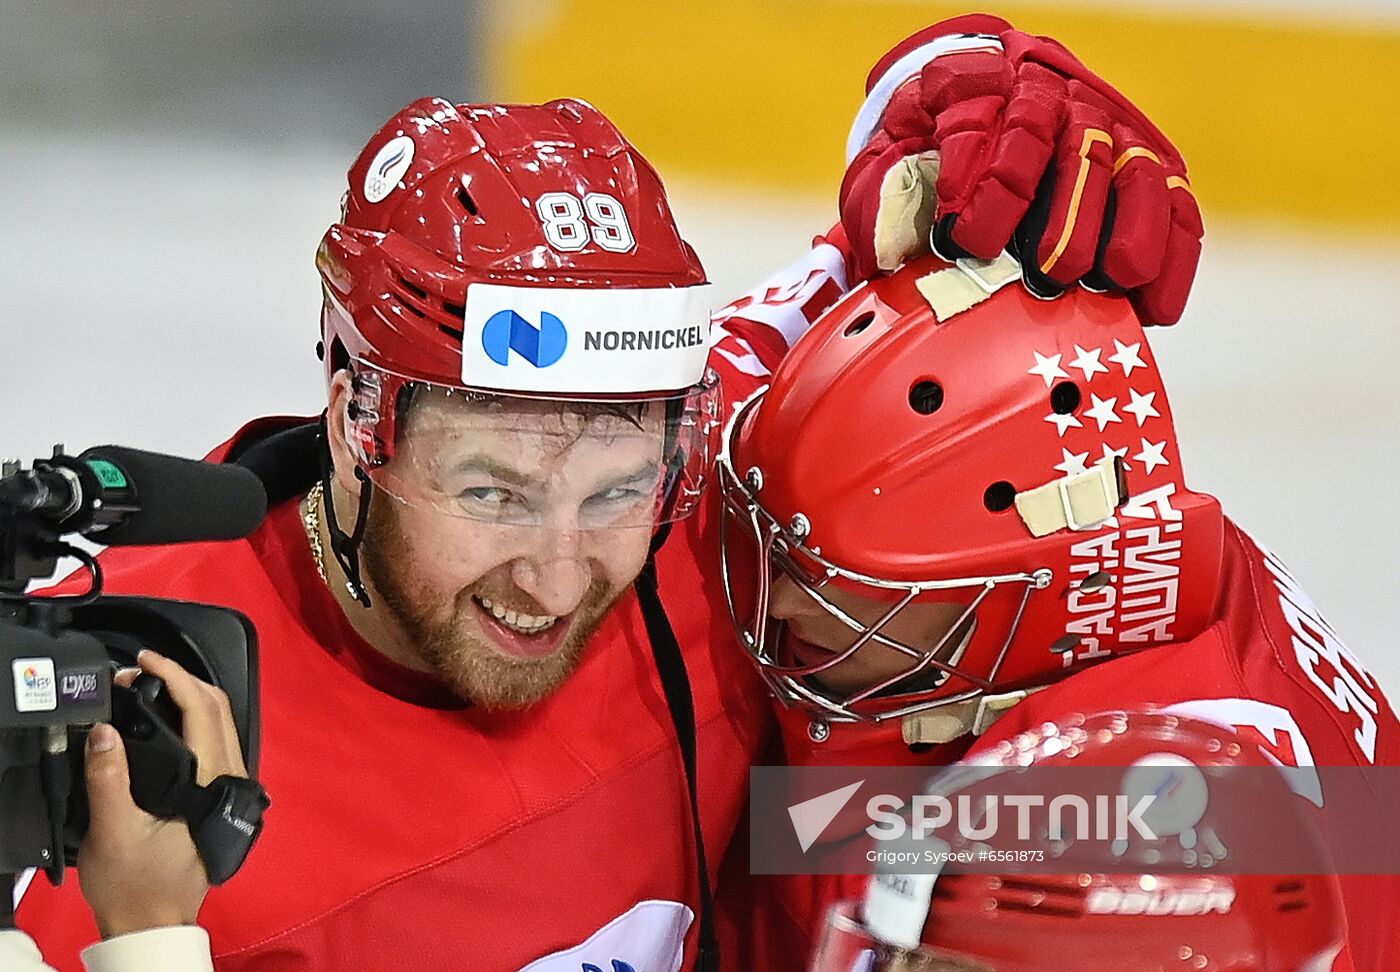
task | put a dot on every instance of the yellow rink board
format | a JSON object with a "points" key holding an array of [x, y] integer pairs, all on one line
{"points": [[1286, 120]]}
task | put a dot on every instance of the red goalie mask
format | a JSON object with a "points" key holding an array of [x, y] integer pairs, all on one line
{"points": [[940, 442]]}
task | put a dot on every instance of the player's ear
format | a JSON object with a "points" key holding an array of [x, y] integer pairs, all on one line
{"points": [[338, 431]]}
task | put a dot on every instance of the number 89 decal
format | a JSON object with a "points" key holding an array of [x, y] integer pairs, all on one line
{"points": [[570, 223]]}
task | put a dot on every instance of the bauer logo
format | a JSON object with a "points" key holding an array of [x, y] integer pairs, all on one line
{"points": [[1165, 902], [387, 168], [542, 345], [36, 689]]}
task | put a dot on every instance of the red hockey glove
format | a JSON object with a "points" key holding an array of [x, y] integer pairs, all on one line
{"points": [[976, 137]]}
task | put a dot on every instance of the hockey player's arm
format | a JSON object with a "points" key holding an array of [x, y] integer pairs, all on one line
{"points": [[177, 949], [752, 334], [18, 953]]}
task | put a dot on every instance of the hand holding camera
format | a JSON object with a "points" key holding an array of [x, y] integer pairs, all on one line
{"points": [[138, 871]]}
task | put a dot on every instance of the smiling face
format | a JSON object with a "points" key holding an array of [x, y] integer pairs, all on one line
{"points": [[501, 534]]}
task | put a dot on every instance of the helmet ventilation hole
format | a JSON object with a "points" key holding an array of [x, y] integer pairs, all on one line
{"points": [[859, 324], [926, 397], [411, 297], [1065, 397], [468, 203], [418, 302], [999, 496], [413, 289], [1095, 581]]}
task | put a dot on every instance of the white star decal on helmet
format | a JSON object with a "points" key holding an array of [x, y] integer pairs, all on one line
{"points": [[1074, 462], [1141, 406], [1151, 455], [1088, 362], [1048, 367], [1127, 356], [1064, 422], [1103, 412]]}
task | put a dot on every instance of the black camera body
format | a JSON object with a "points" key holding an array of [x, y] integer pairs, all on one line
{"points": [[59, 653], [217, 645]]}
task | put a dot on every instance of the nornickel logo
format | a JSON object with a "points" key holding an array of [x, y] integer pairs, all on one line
{"points": [[506, 331]]}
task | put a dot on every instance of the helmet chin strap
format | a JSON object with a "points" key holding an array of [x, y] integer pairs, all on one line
{"points": [[346, 547], [957, 719]]}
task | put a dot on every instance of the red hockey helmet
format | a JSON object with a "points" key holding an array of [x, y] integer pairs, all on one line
{"points": [[939, 437], [505, 256], [1180, 913]]}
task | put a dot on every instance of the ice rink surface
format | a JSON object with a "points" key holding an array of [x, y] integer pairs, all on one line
{"points": [[158, 292]]}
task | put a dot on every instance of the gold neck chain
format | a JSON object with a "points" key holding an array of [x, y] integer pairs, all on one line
{"points": [[311, 520]]}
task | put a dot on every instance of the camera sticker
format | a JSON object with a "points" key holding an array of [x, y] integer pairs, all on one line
{"points": [[78, 687], [36, 688]]}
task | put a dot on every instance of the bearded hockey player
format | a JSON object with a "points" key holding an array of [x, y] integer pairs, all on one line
{"points": [[959, 512], [456, 589], [504, 722]]}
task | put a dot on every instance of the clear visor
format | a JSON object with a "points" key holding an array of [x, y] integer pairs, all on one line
{"points": [[563, 465], [848, 946]]}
